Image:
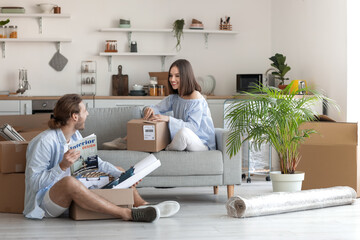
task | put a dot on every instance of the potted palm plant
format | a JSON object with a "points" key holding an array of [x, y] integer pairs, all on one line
{"points": [[273, 117], [278, 62]]}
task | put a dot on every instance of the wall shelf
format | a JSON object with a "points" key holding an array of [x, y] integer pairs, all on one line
{"points": [[39, 16], [109, 55], [58, 41], [206, 33]]}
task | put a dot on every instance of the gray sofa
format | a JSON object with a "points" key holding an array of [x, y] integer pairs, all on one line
{"points": [[178, 168]]}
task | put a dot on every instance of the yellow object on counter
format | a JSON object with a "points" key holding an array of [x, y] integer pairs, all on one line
{"points": [[297, 85]]}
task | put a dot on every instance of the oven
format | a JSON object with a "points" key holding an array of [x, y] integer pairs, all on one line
{"points": [[43, 106]]}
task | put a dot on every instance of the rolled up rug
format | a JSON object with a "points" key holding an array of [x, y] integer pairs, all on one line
{"points": [[283, 202]]}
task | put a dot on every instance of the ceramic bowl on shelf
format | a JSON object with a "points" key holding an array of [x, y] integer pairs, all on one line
{"points": [[207, 84], [137, 87], [46, 7]]}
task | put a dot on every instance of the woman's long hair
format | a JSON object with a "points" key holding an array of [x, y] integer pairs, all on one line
{"points": [[188, 82], [65, 107]]}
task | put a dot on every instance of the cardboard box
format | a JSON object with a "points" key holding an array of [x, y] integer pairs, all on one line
{"points": [[330, 157], [26, 123], [13, 153], [12, 156], [147, 136], [120, 197], [12, 192]]}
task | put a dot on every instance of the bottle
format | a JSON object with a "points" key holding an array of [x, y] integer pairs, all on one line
{"points": [[160, 90], [12, 31], [152, 90], [3, 31]]}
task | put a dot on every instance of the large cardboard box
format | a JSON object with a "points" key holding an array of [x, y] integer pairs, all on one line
{"points": [[26, 123], [119, 197], [12, 192], [330, 157], [12, 156], [147, 136], [13, 153]]}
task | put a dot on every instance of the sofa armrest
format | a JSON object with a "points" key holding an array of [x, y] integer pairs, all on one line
{"points": [[232, 166]]}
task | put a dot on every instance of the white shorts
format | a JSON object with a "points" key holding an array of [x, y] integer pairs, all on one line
{"points": [[51, 209]]}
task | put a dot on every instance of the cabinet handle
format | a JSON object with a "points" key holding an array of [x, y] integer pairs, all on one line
{"points": [[25, 109]]}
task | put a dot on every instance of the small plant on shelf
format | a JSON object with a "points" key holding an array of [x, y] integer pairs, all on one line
{"points": [[178, 27], [2, 23], [278, 62]]}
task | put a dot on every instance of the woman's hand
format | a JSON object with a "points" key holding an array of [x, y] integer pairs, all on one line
{"points": [[69, 158], [148, 113], [159, 118]]}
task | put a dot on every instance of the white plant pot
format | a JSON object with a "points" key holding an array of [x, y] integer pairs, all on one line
{"points": [[287, 182]]}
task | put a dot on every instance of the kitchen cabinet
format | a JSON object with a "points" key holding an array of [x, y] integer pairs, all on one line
{"points": [[129, 32], [57, 40], [25, 107], [15, 107]]}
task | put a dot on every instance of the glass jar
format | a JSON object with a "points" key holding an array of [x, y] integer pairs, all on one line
{"points": [[12, 31], [160, 90], [111, 46], [152, 90], [3, 31]]}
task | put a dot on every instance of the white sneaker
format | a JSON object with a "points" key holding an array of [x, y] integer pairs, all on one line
{"points": [[168, 208]]}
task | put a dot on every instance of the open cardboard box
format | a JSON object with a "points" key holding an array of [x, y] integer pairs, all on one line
{"points": [[119, 197], [330, 157], [147, 136], [13, 153]]}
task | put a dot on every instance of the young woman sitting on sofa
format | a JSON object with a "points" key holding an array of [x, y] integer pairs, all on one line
{"points": [[191, 127]]}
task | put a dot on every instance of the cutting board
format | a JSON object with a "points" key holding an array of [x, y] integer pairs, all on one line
{"points": [[120, 83]]}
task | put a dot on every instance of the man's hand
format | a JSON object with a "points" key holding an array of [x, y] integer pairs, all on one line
{"points": [[69, 158], [135, 184], [159, 118], [148, 113]]}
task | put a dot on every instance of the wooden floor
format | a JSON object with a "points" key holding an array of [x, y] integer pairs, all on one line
{"points": [[202, 216]]}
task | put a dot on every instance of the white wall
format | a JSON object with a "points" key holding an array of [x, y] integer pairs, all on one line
{"points": [[312, 34], [353, 53], [226, 56]]}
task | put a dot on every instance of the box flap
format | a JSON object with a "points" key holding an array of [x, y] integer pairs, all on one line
{"points": [[23, 123], [332, 133]]}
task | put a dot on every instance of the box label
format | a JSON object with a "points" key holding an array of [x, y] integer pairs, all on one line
{"points": [[149, 132]]}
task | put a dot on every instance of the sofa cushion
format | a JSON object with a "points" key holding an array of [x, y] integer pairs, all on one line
{"points": [[173, 163], [109, 123], [183, 163], [122, 158]]}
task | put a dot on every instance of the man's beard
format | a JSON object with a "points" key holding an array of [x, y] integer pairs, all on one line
{"points": [[80, 126]]}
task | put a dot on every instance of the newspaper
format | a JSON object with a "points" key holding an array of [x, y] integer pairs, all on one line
{"points": [[88, 160]]}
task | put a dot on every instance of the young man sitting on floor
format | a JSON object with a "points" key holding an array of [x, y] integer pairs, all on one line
{"points": [[49, 187]]}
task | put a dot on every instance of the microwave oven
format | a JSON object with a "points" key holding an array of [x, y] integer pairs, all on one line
{"points": [[247, 82]]}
